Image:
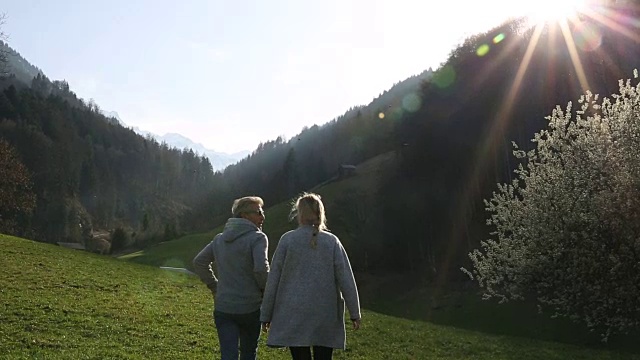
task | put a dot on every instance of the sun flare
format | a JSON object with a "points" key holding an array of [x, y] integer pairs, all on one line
{"points": [[553, 11]]}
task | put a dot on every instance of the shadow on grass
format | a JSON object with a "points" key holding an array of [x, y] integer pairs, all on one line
{"points": [[400, 296]]}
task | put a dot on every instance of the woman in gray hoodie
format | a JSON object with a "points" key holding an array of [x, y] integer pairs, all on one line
{"points": [[234, 267], [309, 282]]}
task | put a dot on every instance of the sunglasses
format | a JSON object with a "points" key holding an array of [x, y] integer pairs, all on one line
{"points": [[259, 212]]}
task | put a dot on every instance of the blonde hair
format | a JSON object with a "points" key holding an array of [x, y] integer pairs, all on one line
{"points": [[243, 204], [309, 210]]}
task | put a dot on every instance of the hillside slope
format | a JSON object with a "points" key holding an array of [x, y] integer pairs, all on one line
{"points": [[352, 212], [63, 304]]}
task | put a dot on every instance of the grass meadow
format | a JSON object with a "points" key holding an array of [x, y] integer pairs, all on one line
{"points": [[59, 303]]}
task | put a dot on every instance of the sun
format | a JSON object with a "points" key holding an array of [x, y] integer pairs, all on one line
{"points": [[543, 12]]}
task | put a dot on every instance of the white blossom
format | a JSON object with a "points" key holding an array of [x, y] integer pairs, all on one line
{"points": [[566, 231]]}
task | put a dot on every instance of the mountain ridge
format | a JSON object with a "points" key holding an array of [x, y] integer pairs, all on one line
{"points": [[24, 72], [219, 160]]}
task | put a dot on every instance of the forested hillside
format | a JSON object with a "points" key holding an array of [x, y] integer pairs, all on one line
{"points": [[506, 82], [451, 130], [281, 168], [88, 173]]}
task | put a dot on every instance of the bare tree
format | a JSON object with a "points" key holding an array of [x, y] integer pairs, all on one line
{"points": [[3, 53]]}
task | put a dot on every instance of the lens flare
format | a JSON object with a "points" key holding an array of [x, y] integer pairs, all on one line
{"points": [[587, 36], [412, 102], [482, 50], [553, 11], [444, 77], [498, 38]]}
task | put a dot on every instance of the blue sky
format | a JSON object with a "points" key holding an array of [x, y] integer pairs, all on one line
{"points": [[231, 74]]}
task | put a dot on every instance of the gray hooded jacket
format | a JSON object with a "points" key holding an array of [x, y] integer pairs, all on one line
{"points": [[235, 266]]}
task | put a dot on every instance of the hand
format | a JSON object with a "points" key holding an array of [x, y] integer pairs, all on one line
{"points": [[213, 287], [356, 324], [266, 326]]}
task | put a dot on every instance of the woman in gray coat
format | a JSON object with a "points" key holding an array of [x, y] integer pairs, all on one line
{"points": [[309, 282]]}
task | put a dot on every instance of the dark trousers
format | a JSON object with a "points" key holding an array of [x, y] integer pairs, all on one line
{"points": [[238, 328], [304, 353]]}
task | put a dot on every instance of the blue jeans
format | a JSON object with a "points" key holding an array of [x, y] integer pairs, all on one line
{"points": [[234, 328]]}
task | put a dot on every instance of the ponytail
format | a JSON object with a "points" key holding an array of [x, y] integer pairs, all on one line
{"points": [[314, 236], [309, 210]]}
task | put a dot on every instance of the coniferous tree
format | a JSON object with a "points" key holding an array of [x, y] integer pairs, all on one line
{"points": [[17, 199]]}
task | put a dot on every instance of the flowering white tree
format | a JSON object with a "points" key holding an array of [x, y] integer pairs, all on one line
{"points": [[567, 229]]}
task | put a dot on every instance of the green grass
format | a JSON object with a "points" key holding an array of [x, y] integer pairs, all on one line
{"points": [[465, 309], [65, 304], [174, 253], [59, 303]]}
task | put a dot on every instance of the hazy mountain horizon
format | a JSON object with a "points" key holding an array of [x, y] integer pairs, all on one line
{"points": [[218, 159]]}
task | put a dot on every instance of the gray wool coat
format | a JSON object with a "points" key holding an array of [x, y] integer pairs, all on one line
{"points": [[306, 291]]}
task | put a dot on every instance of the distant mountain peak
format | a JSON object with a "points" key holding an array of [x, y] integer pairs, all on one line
{"points": [[174, 137], [112, 115], [218, 160]]}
